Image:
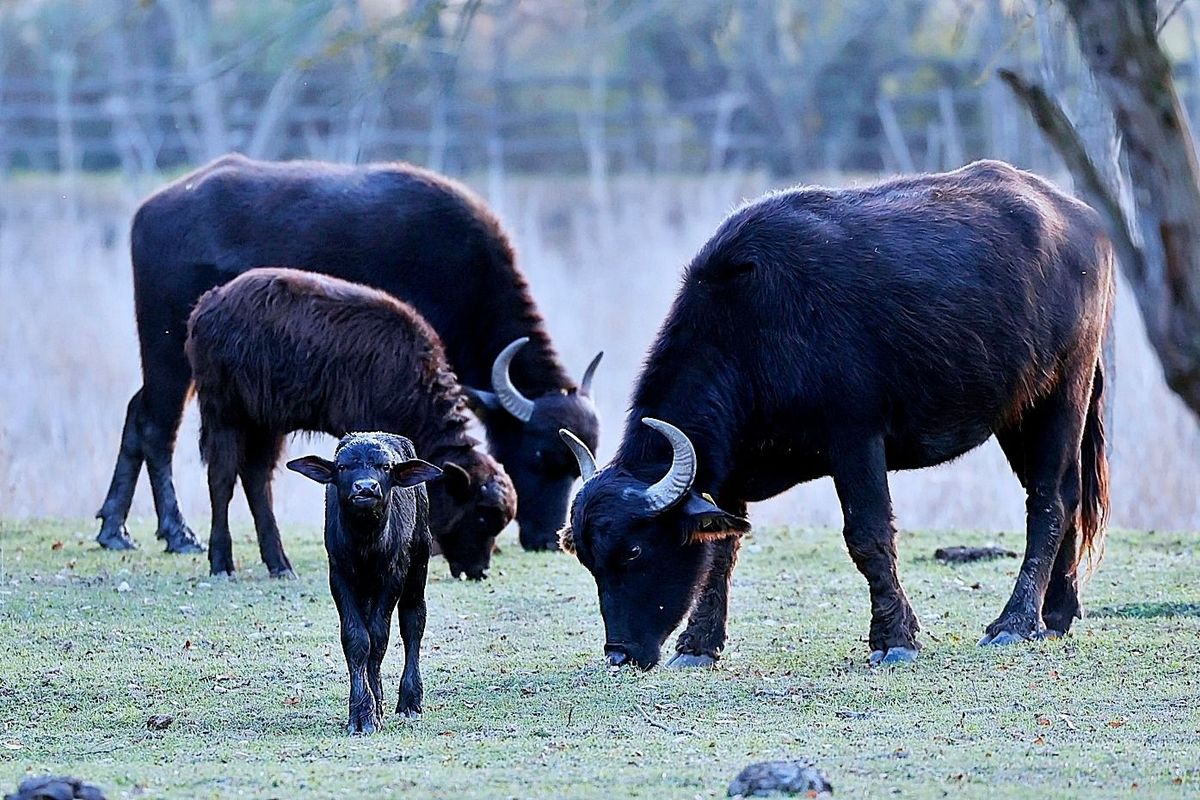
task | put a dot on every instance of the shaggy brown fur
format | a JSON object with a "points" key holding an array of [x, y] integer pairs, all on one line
{"points": [[279, 350]]}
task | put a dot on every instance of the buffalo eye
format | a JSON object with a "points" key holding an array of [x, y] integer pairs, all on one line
{"points": [[633, 553], [343, 467]]}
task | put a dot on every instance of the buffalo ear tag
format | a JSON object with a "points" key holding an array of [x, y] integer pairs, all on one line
{"points": [[708, 497]]}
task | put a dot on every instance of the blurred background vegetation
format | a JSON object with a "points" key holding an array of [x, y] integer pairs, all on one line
{"points": [[468, 86], [611, 136]]}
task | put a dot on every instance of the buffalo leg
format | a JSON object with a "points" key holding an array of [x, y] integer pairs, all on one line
{"points": [[163, 397], [1052, 431], [112, 515], [379, 628], [258, 463], [1061, 606], [860, 477], [222, 448], [412, 629], [356, 647], [703, 639]]}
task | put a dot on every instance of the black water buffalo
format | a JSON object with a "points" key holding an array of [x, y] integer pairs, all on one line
{"points": [[412, 233], [377, 539], [279, 350], [848, 332]]}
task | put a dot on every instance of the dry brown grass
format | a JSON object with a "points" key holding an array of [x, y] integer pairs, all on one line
{"points": [[604, 277]]}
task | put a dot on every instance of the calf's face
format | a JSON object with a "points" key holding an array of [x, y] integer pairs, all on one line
{"points": [[364, 471], [468, 509]]}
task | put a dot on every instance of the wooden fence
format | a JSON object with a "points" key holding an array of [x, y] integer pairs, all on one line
{"points": [[569, 123]]}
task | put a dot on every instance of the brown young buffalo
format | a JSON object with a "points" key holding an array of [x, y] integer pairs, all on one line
{"points": [[279, 350]]}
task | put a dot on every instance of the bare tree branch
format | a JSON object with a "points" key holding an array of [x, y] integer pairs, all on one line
{"points": [[1090, 184], [1119, 42], [1167, 16]]}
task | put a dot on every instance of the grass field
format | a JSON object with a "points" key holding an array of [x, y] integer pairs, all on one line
{"points": [[518, 703]]}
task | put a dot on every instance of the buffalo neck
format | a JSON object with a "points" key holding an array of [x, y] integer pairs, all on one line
{"points": [[366, 543], [437, 424]]}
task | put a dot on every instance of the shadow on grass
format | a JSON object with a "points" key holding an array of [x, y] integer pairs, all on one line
{"points": [[1147, 610]]}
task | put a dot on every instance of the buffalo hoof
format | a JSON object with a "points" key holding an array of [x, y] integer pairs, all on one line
{"points": [[1002, 638], [51, 787], [364, 725], [1049, 633], [220, 566], [409, 711], [115, 537], [182, 541], [893, 655], [285, 574], [690, 660]]}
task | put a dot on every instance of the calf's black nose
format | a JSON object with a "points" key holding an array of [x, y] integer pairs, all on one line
{"points": [[616, 656], [366, 488]]}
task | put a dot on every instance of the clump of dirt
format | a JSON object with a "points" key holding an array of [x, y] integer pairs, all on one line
{"points": [[50, 787], [963, 555], [786, 777], [159, 722]]}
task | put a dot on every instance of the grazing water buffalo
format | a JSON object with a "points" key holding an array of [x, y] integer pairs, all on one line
{"points": [[848, 332], [280, 350], [409, 232], [377, 539]]}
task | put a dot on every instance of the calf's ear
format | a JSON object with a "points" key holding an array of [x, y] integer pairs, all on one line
{"points": [[414, 471], [457, 480], [704, 521], [566, 540], [314, 467], [482, 402]]}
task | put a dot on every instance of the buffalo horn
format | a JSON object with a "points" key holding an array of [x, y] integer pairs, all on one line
{"points": [[510, 399], [587, 462], [585, 386], [678, 480]]}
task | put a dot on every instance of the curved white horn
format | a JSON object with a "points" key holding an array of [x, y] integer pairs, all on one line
{"points": [[585, 386], [510, 399], [587, 462], [678, 480]]}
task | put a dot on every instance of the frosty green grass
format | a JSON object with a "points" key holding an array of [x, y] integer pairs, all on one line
{"points": [[519, 704]]}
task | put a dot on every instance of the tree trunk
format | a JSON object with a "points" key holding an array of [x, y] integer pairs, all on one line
{"points": [[1119, 41]]}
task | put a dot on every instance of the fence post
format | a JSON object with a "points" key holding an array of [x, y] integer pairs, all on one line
{"points": [[63, 64]]}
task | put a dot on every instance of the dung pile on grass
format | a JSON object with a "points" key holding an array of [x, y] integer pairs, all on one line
{"points": [[784, 777]]}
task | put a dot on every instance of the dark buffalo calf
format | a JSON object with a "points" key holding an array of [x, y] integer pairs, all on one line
{"points": [[377, 537], [280, 350]]}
